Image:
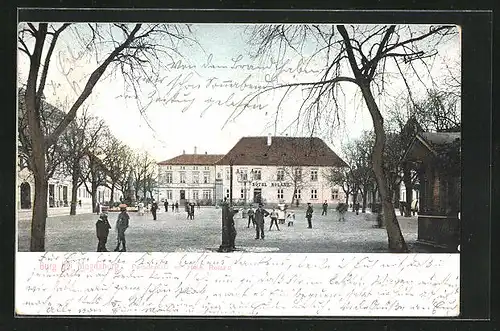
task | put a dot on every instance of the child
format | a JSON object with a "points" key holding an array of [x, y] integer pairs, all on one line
{"points": [[102, 230], [291, 218], [274, 219]]}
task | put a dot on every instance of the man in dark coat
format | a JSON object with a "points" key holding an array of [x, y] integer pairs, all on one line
{"points": [[260, 213], [121, 226], [191, 210], [102, 227], [325, 208], [154, 208], [166, 205], [309, 215], [176, 207]]}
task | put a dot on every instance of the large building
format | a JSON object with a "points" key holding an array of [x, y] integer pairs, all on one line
{"points": [[188, 177], [279, 170]]}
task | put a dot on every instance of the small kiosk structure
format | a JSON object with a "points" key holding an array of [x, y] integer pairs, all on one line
{"points": [[435, 156]]}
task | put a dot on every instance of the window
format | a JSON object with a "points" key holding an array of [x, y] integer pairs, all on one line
{"points": [[196, 177], [335, 194], [297, 194], [169, 194], [206, 177], [280, 193], [227, 193], [243, 174], [280, 174], [168, 178], [183, 177], [298, 174], [257, 175], [314, 175], [183, 168], [219, 175], [195, 168], [207, 195], [242, 195], [195, 195], [228, 174], [207, 168], [314, 194], [169, 167]]}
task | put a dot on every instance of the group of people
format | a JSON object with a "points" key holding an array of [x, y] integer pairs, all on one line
{"points": [[189, 207], [103, 227], [175, 206], [277, 216]]}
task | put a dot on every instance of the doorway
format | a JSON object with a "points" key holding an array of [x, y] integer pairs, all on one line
{"points": [[257, 195]]}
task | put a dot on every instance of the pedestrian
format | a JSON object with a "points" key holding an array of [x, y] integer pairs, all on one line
{"points": [[166, 205], [102, 227], [140, 208], [291, 218], [80, 203], [325, 208], [121, 226], [186, 209], [154, 208], [173, 206], [260, 213], [251, 216], [97, 208], [356, 208], [274, 219], [309, 215], [176, 207], [191, 210], [341, 209], [281, 215], [198, 203]]}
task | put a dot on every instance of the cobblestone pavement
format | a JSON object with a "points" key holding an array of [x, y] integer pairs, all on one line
{"points": [[172, 232]]}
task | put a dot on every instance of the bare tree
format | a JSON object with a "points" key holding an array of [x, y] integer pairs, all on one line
{"points": [[361, 56], [294, 174], [82, 135], [144, 173], [135, 51], [117, 165]]}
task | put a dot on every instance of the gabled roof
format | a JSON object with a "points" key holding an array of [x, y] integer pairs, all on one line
{"points": [[432, 141], [283, 151], [192, 159]]}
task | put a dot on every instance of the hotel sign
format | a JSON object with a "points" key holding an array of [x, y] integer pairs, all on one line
{"points": [[272, 184]]}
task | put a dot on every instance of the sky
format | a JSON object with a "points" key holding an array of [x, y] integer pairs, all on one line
{"points": [[200, 87]]}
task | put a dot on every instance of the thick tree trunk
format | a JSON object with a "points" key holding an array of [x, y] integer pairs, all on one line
{"points": [[39, 214], [111, 199], [347, 198], [394, 235], [74, 195], [354, 200], [94, 198]]}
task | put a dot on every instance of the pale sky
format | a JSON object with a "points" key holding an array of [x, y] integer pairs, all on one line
{"points": [[198, 121]]}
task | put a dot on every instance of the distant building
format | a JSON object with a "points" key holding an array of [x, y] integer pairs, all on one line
{"points": [[279, 170], [188, 177]]}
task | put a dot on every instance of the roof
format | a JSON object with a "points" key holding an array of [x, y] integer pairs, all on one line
{"points": [[440, 138], [193, 159], [284, 151]]}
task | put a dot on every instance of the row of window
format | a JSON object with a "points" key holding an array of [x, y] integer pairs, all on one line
{"points": [[294, 174], [184, 167], [297, 194], [206, 195], [195, 178]]}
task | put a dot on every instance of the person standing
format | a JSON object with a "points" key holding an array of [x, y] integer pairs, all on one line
{"points": [[309, 215], [166, 205], [260, 213], [176, 207], [102, 227], [140, 208], [251, 216], [325, 208], [198, 203], [291, 218], [173, 207], [274, 219], [281, 215], [191, 210], [154, 208], [121, 226]]}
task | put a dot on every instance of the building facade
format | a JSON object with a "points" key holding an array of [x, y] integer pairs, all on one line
{"points": [[188, 177], [59, 192], [279, 170]]}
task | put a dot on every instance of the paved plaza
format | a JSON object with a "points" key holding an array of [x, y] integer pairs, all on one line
{"points": [[172, 232]]}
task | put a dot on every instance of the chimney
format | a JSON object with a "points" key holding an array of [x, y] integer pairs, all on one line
{"points": [[194, 149], [269, 139], [183, 152]]}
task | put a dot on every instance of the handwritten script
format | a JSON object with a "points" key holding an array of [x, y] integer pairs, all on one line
{"points": [[237, 284]]}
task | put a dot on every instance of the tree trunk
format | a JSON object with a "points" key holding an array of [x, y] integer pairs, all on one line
{"points": [[39, 216], [74, 195], [354, 200], [112, 194], [408, 188], [394, 235], [364, 194], [347, 198], [94, 198]]}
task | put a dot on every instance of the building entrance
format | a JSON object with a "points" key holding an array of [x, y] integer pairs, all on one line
{"points": [[257, 195]]}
